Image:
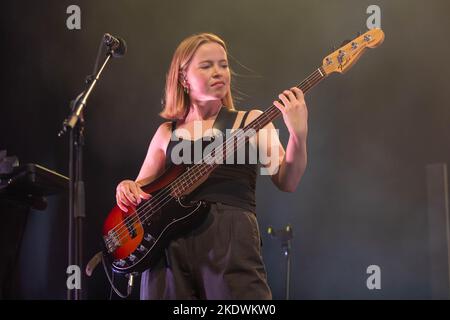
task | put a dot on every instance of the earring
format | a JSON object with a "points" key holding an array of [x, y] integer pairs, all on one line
{"points": [[185, 86]]}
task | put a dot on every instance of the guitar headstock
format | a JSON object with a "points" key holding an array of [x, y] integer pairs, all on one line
{"points": [[342, 59]]}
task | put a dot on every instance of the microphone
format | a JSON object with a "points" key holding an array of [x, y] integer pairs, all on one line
{"points": [[117, 45]]}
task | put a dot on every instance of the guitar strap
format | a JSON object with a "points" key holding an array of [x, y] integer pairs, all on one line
{"points": [[226, 118]]}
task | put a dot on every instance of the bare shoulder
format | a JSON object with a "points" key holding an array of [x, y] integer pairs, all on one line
{"points": [[162, 135], [154, 162], [255, 113], [164, 128], [252, 115]]}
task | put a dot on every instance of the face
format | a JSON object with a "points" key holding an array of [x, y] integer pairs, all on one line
{"points": [[208, 75]]}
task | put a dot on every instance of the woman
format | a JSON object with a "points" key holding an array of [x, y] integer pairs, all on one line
{"points": [[220, 259]]}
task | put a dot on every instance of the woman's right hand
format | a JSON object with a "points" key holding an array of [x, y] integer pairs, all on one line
{"points": [[129, 193]]}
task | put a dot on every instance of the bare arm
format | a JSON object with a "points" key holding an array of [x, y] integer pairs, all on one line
{"points": [[129, 192], [155, 159], [286, 168], [292, 166], [295, 116]]}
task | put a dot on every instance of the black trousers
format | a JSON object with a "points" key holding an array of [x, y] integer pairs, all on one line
{"points": [[221, 259]]}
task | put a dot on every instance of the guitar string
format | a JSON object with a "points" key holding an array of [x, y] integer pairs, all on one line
{"points": [[123, 223], [136, 217], [163, 201], [200, 167], [175, 185]]}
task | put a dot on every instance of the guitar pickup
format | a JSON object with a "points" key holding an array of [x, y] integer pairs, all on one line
{"points": [[132, 230]]}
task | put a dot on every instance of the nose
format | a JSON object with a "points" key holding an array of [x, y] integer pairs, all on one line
{"points": [[217, 72]]}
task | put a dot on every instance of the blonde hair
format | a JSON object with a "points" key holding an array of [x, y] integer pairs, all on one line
{"points": [[177, 102]]}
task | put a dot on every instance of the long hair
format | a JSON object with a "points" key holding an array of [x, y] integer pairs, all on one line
{"points": [[176, 105]]}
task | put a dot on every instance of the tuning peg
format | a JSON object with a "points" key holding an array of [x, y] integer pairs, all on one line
{"points": [[333, 47], [358, 33]]}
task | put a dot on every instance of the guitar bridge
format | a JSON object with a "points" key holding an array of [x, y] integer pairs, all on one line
{"points": [[112, 241]]}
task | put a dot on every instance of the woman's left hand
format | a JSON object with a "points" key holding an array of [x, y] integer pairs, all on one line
{"points": [[295, 113]]}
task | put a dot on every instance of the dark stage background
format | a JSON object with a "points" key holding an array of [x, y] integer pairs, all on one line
{"points": [[372, 131]]}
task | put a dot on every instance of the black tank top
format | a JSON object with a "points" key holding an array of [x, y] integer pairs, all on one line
{"points": [[232, 184]]}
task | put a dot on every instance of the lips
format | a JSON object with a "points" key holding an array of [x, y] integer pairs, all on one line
{"points": [[218, 83]]}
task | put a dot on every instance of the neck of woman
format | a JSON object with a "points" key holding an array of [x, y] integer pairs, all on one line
{"points": [[203, 110]]}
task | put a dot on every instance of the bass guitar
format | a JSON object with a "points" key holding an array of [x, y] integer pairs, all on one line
{"points": [[134, 239]]}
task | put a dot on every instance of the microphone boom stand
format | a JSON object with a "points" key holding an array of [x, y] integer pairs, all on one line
{"points": [[285, 236], [75, 123]]}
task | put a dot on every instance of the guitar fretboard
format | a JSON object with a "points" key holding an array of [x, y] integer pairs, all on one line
{"points": [[217, 156]]}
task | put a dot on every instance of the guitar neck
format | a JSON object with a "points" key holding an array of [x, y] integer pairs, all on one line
{"points": [[191, 177], [273, 112]]}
